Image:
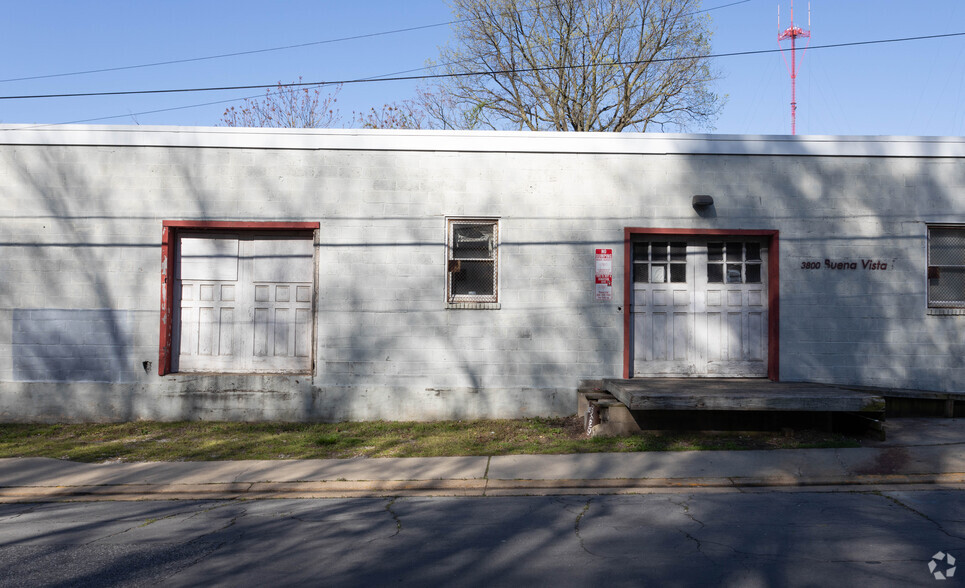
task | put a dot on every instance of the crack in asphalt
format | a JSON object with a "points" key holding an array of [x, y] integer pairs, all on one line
{"points": [[950, 443], [840, 460], [576, 528], [207, 510], [700, 547], [395, 517], [212, 547], [686, 511], [151, 522], [685, 508], [28, 510], [940, 527]]}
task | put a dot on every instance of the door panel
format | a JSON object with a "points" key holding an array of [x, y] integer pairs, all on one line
{"points": [[707, 316], [254, 314]]}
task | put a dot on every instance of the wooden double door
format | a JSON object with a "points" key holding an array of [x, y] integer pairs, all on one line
{"points": [[699, 306]]}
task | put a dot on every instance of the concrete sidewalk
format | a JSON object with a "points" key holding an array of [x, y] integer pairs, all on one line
{"points": [[918, 451]]}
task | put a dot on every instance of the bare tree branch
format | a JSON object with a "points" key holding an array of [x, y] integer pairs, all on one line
{"points": [[286, 107], [592, 65]]}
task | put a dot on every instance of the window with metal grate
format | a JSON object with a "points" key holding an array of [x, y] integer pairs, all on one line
{"points": [[472, 258], [946, 266]]}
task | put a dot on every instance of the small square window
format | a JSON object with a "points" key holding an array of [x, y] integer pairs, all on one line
{"points": [[658, 273], [659, 250], [753, 273], [641, 272], [753, 251], [946, 267], [472, 261], [715, 251], [715, 273], [640, 252]]}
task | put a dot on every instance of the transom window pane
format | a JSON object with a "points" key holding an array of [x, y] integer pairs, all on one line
{"points": [[715, 251], [659, 251], [753, 251], [640, 252]]}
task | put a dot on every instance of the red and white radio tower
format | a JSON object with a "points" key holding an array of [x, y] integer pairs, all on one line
{"points": [[792, 32]]}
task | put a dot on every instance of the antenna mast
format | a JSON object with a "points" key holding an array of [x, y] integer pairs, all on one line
{"points": [[792, 33]]}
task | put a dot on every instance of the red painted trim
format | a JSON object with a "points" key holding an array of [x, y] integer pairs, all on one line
{"points": [[773, 309], [699, 232], [773, 287], [169, 239], [627, 300], [240, 225], [167, 301]]}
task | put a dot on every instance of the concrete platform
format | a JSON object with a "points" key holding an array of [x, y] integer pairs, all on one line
{"points": [[740, 394]]}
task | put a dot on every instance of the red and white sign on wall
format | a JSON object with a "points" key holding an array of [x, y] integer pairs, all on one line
{"points": [[604, 274]]}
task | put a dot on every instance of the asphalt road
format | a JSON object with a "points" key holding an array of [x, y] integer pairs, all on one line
{"points": [[767, 538]]}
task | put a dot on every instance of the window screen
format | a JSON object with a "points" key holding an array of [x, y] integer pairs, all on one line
{"points": [[946, 267], [472, 261]]}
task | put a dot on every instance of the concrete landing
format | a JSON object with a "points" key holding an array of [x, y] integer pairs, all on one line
{"points": [[740, 394]]}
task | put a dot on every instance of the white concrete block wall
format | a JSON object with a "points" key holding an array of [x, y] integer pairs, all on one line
{"points": [[81, 239]]}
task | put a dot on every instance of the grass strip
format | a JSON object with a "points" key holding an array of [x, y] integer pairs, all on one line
{"points": [[206, 441]]}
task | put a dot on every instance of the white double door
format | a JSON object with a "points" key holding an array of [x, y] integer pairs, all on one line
{"points": [[245, 303], [699, 307]]}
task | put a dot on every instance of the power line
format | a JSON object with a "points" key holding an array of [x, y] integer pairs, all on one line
{"points": [[223, 55], [282, 48], [465, 74], [375, 77]]}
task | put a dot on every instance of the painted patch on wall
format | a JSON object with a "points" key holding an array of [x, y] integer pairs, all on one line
{"points": [[59, 345]]}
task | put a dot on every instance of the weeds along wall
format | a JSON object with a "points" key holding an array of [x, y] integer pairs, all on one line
{"points": [[81, 265]]}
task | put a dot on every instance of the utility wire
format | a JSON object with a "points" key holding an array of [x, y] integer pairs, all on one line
{"points": [[284, 48], [223, 55], [375, 77], [467, 74]]}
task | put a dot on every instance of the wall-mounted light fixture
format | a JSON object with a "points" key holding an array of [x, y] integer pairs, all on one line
{"points": [[702, 201]]}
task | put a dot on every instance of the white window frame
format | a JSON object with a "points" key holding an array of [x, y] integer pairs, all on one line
{"points": [[955, 307], [464, 301]]}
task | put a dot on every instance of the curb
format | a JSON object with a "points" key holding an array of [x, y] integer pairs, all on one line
{"points": [[472, 487]]}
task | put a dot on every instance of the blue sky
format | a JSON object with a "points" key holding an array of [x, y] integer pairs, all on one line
{"points": [[911, 88]]}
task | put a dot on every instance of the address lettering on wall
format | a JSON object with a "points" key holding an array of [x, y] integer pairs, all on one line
{"points": [[848, 264]]}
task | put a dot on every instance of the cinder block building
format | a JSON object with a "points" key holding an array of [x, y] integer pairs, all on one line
{"points": [[254, 274]]}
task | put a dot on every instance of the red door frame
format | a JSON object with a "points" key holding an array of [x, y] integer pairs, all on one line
{"points": [[169, 239], [773, 287]]}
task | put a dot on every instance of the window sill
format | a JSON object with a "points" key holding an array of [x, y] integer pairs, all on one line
{"points": [[472, 306], [946, 311]]}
